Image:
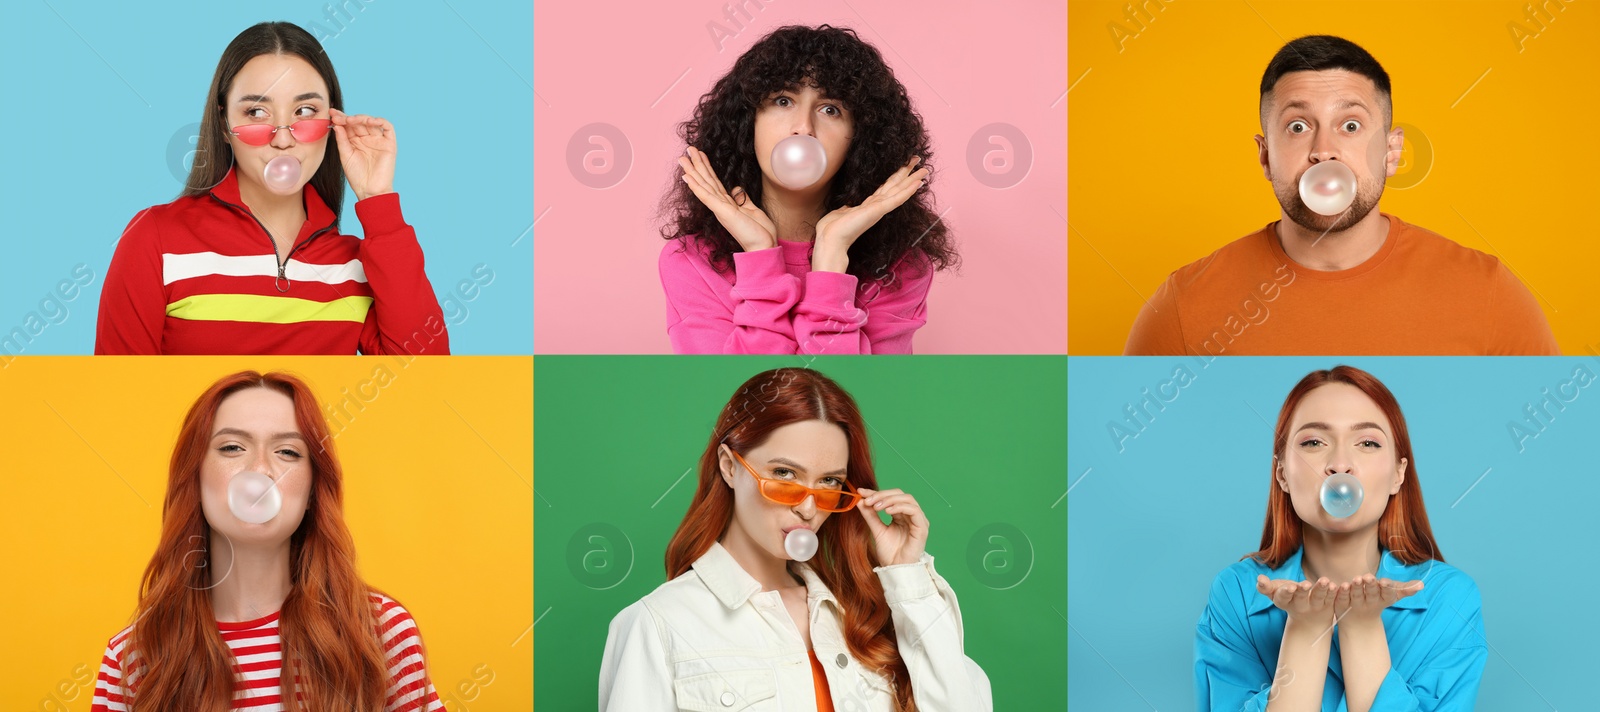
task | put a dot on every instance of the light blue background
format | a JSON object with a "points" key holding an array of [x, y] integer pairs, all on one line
{"points": [[1150, 527], [99, 98]]}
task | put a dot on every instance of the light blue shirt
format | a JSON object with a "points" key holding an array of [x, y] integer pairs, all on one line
{"points": [[1436, 645]]}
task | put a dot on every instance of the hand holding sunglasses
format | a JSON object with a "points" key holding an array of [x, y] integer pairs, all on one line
{"points": [[367, 151], [905, 537], [901, 541]]}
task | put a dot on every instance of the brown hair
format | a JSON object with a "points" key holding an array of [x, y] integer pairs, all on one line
{"points": [[265, 38]]}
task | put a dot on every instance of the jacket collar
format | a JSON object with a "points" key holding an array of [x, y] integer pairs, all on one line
{"points": [[318, 215], [725, 577], [733, 586], [1389, 567], [815, 588]]}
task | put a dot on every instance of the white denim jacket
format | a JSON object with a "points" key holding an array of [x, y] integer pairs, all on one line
{"points": [[712, 641]]}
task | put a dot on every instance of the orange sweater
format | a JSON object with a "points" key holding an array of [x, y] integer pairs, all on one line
{"points": [[1421, 294]]}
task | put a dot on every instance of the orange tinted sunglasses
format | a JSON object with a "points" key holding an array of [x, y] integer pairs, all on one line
{"points": [[793, 493]]}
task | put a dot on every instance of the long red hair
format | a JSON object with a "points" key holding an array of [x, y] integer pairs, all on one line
{"points": [[327, 623], [766, 402], [1403, 529]]}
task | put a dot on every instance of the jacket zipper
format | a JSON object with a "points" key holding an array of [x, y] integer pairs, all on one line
{"points": [[282, 281]]}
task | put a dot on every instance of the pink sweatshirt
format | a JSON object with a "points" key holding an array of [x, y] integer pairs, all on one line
{"points": [[772, 303]]}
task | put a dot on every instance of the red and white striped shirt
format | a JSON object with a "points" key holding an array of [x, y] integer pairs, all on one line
{"points": [[258, 654]]}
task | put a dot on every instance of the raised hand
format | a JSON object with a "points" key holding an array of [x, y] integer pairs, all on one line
{"points": [[905, 537], [367, 150], [739, 215], [839, 229]]}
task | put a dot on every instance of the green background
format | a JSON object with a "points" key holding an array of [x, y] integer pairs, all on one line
{"points": [[980, 441]]}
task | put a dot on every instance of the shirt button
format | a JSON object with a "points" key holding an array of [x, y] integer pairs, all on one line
{"points": [[842, 660], [727, 699]]}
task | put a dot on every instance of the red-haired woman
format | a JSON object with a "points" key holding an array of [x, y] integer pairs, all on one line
{"points": [[1356, 613], [866, 625], [225, 601]]}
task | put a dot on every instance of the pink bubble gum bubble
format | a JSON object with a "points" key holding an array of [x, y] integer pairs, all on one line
{"points": [[1328, 188], [800, 544], [254, 497], [282, 175], [798, 162]]}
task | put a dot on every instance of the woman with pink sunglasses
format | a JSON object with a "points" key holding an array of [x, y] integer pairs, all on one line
{"points": [[250, 259]]}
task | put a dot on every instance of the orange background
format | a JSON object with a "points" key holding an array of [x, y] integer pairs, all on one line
{"points": [[1162, 170], [438, 464]]}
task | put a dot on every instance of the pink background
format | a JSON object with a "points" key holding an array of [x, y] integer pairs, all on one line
{"points": [[965, 64]]}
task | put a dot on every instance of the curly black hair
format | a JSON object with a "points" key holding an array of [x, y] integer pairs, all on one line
{"points": [[887, 133]]}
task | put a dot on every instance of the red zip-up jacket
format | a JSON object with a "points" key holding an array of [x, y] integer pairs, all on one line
{"points": [[201, 275]]}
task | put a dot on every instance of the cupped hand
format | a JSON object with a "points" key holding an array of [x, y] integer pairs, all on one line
{"points": [[1367, 596], [1302, 600]]}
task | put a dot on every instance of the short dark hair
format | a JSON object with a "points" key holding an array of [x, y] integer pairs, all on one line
{"points": [[1314, 53]]}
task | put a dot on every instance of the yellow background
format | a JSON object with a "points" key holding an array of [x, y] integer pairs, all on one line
{"points": [[1162, 169], [438, 468]]}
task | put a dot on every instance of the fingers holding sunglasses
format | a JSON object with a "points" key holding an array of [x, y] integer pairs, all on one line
{"points": [[873, 496], [367, 148], [895, 503], [341, 125], [902, 506], [904, 539], [372, 125], [361, 125], [867, 510], [375, 127], [340, 118]]}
